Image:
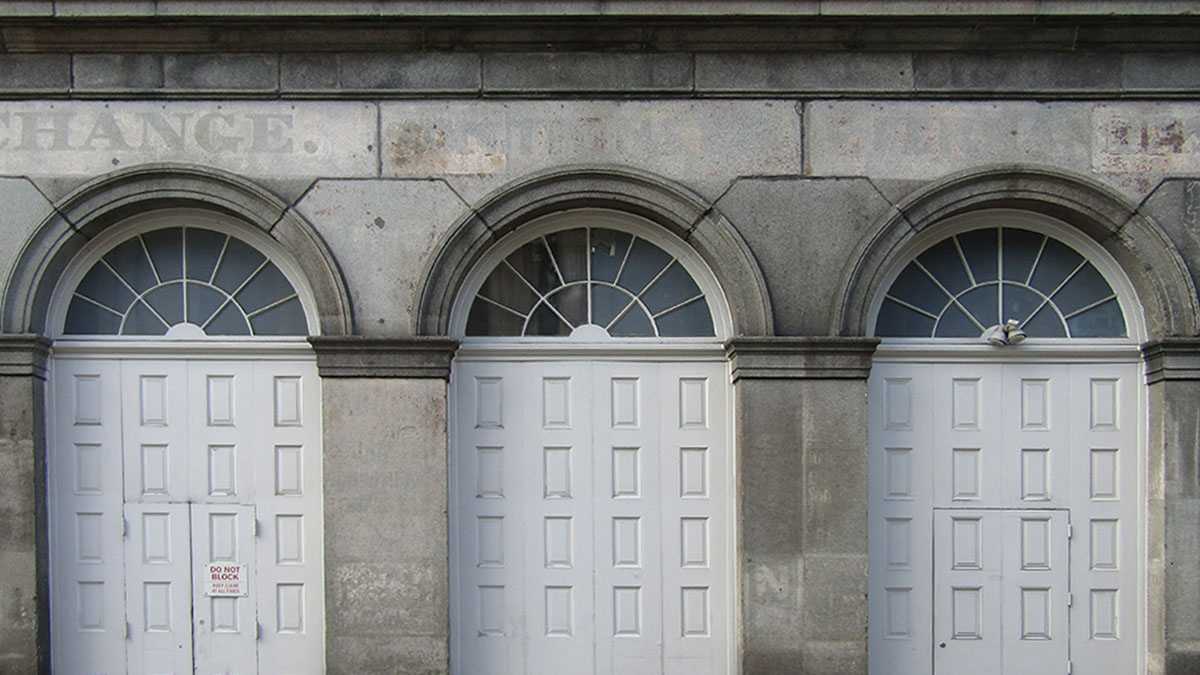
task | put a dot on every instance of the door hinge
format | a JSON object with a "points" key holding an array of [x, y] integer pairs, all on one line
{"points": [[128, 630], [257, 528], [257, 630], [1070, 599], [1070, 530], [124, 526], [1069, 667]]}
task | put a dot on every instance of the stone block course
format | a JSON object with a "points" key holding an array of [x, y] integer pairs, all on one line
{"points": [[221, 72], [35, 72], [1024, 72], [108, 72], [421, 72], [804, 72], [579, 72]]}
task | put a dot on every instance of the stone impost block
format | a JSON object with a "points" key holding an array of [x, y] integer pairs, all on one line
{"points": [[24, 355], [410, 357], [801, 357], [1172, 359]]}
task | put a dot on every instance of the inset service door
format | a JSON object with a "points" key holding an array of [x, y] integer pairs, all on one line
{"points": [[590, 524], [186, 517]]}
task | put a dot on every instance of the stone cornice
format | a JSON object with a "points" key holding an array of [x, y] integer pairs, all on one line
{"points": [[1172, 359], [824, 358], [24, 355], [404, 357]]}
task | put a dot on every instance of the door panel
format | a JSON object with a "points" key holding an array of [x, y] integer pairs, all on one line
{"points": [[226, 628], [158, 592]]}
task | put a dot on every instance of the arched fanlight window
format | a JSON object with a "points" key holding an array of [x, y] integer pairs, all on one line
{"points": [[972, 281], [187, 281], [594, 278]]}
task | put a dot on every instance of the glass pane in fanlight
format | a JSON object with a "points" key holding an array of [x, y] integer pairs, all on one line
{"points": [[690, 320], [228, 321], [954, 323], [607, 302], [1020, 250], [532, 261], [238, 263], [85, 318], [981, 250], [570, 253], [203, 247], [268, 286], [944, 263], [915, 288], [165, 247], [141, 321], [896, 320], [608, 252], [104, 287], [544, 322], [983, 302], [1083, 289], [130, 261], [167, 300], [1019, 303], [202, 302], [635, 323], [1057, 261], [673, 287], [571, 302], [1103, 320], [488, 319], [1046, 323], [645, 262], [286, 318], [505, 287]]}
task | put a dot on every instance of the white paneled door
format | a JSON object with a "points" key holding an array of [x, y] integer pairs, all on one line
{"points": [[186, 517], [590, 519], [1004, 522]]}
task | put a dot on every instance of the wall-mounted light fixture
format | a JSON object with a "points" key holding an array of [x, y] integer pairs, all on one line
{"points": [[1008, 334]]}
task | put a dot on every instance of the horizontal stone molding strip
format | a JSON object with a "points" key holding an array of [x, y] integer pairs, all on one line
{"points": [[1172, 359], [801, 358], [24, 355], [405, 357]]}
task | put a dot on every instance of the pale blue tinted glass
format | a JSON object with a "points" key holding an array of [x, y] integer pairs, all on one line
{"points": [[203, 248], [545, 322], [570, 253], [645, 262], [104, 287], [1056, 262], [505, 287], [1046, 323], [571, 302], [983, 302], [1020, 250], [896, 320], [690, 320], [675, 286], [944, 263], [488, 319], [286, 318], [608, 252], [1103, 320], [955, 323], [167, 300], [236, 266], [85, 318], [635, 323], [141, 321], [607, 302], [916, 288], [532, 261], [1019, 303], [1085, 288], [166, 251], [266, 287], [981, 250], [228, 321], [202, 303], [129, 260]]}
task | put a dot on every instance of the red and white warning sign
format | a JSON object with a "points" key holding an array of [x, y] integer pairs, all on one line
{"points": [[224, 579]]}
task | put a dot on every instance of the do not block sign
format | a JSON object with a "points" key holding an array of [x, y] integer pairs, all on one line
{"points": [[224, 580]]}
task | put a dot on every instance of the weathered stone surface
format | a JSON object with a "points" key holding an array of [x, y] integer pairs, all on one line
{"points": [[803, 232], [365, 654], [1161, 71], [410, 72], [480, 145], [415, 590], [257, 139], [835, 658], [24, 209], [1022, 71], [835, 467], [20, 423], [586, 71], [1175, 207], [222, 72], [35, 71], [1145, 141], [835, 598], [772, 610], [804, 72], [116, 71], [388, 229]]}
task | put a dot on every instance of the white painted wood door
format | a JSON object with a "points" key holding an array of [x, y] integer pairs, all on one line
{"points": [[161, 465], [591, 515], [994, 463]]}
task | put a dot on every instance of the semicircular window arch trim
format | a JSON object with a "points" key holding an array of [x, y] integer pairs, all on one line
{"points": [[973, 280], [184, 281], [590, 280]]}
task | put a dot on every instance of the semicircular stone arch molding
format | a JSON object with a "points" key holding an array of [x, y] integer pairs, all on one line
{"points": [[1154, 268], [111, 199], [668, 205]]}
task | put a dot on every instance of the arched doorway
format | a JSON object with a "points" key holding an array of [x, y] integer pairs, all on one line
{"points": [[591, 469], [184, 453], [1006, 467]]}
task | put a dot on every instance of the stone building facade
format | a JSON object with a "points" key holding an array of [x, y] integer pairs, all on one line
{"points": [[773, 336]]}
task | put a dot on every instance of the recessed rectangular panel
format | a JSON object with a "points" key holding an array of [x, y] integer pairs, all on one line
{"points": [[897, 624], [225, 617], [1104, 473], [88, 469], [220, 401], [693, 472], [156, 470], [965, 403], [693, 403], [491, 610], [556, 473], [289, 608], [287, 401], [898, 544], [153, 390], [222, 532], [156, 538], [289, 539], [489, 473], [560, 611], [966, 467], [897, 404], [289, 471], [90, 602], [626, 472], [89, 537], [556, 402], [1035, 544], [627, 541], [897, 467], [1105, 540], [1103, 614], [1035, 405], [222, 470], [488, 403], [966, 543], [626, 404], [87, 399], [967, 609], [693, 542], [156, 606], [489, 539], [627, 611], [1104, 405], [694, 611], [1035, 474], [1035, 614], [559, 541]]}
